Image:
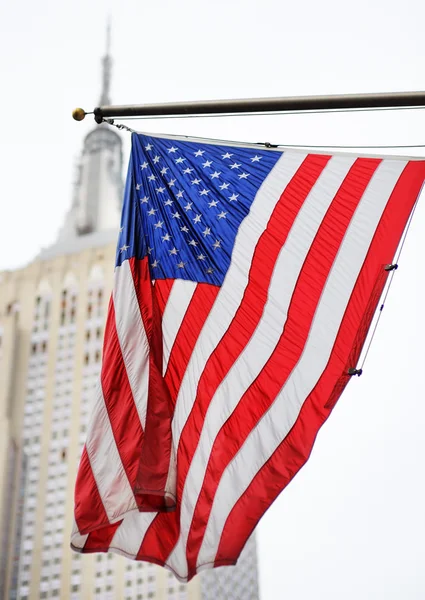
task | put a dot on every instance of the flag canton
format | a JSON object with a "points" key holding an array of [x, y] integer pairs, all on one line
{"points": [[184, 202]]}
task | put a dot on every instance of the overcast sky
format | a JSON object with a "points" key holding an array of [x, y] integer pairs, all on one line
{"points": [[352, 524]]}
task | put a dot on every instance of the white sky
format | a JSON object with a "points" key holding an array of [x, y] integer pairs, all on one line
{"points": [[352, 523]]}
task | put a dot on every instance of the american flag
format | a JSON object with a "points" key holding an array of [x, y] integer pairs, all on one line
{"points": [[245, 283]]}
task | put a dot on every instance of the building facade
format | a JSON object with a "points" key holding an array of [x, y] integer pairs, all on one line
{"points": [[52, 315]]}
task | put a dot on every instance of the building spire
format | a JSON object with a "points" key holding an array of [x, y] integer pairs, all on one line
{"points": [[97, 199], [106, 68]]}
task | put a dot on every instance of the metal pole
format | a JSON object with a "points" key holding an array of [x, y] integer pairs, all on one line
{"points": [[260, 105]]}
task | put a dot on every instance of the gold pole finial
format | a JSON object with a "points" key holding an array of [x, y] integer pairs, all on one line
{"points": [[78, 114]]}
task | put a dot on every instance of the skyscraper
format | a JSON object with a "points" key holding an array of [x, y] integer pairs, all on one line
{"points": [[52, 315]]}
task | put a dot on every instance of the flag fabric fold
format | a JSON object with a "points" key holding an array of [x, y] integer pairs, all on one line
{"points": [[246, 280]]}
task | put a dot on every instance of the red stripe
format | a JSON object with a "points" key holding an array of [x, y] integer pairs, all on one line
{"points": [[89, 511], [295, 449], [194, 319], [100, 540], [156, 542], [251, 308], [154, 455], [160, 538], [119, 402], [260, 395], [163, 532], [162, 292]]}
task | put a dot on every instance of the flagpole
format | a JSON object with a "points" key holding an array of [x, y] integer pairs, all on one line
{"points": [[259, 105]]}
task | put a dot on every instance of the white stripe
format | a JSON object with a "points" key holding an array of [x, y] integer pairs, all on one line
{"points": [[175, 309], [267, 334], [132, 337], [232, 290], [279, 419], [77, 540], [108, 471], [129, 535]]}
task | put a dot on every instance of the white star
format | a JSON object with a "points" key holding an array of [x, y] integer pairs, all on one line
{"points": [[164, 170], [233, 197], [215, 175], [144, 165], [156, 159], [159, 225], [179, 194], [176, 215], [179, 160], [222, 215], [155, 264], [188, 206], [172, 150], [224, 186], [152, 212], [204, 192], [197, 219], [199, 153], [227, 155], [166, 237], [256, 158], [124, 248], [160, 190], [235, 165], [138, 186], [168, 202], [207, 163], [144, 200], [196, 181], [201, 257], [209, 271], [243, 175], [193, 243], [213, 203], [171, 182], [181, 265], [207, 231], [184, 228], [217, 244], [188, 171], [149, 250], [121, 229], [151, 177], [148, 147], [173, 251]]}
